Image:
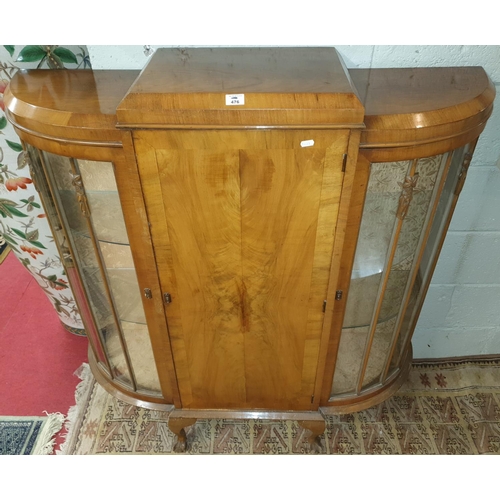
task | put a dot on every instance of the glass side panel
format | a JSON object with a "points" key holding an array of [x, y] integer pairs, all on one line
{"points": [[430, 254], [62, 244], [118, 267], [400, 288], [376, 232], [36, 171], [64, 180], [408, 245]]}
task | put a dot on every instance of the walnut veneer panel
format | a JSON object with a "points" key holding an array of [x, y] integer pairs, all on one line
{"points": [[285, 86], [412, 106], [243, 228], [69, 105]]}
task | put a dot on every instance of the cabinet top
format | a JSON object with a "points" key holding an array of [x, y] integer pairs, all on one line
{"points": [[236, 87], [295, 70], [397, 107], [77, 105], [411, 106]]}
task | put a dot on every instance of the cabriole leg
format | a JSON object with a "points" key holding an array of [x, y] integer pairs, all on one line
{"points": [[177, 425], [317, 428]]}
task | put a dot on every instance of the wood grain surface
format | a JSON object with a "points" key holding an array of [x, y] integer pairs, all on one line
{"points": [[282, 86], [243, 226]]}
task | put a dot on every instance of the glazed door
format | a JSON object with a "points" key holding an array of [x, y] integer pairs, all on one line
{"points": [[243, 226]]}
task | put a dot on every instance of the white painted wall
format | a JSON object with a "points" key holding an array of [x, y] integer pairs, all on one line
{"points": [[461, 314]]}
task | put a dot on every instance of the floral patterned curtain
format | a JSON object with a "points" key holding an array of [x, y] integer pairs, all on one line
{"points": [[23, 224]]}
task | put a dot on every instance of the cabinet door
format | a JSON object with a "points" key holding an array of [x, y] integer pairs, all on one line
{"points": [[243, 225]]}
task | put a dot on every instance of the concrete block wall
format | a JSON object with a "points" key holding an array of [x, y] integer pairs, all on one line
{"points": [[461, 314]]}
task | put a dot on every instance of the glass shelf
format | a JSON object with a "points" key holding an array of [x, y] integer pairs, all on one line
{"points": [[141, 358], [124, 288], [359, 309], [352, 353], [104, 207]]}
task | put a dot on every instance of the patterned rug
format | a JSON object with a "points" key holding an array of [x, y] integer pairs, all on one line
{"points": [[29, 435], [443, 409]]}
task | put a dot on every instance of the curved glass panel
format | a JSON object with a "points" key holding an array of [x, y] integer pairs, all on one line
{"points": [[401, 200], [90, 207], [374, 242], [430, 253], [407, 249], [109, 227]]}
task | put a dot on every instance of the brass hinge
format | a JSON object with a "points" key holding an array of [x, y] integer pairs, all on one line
{"points": [[147, 293], [312, 399], [167, 298], [324, 305], [344, 162], [338, 294]]}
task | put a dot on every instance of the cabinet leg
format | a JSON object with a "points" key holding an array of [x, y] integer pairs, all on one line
{"points": [[177, 425], [316, 428]]}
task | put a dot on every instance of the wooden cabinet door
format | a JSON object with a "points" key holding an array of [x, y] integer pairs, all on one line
{"points": [[243, 225]]}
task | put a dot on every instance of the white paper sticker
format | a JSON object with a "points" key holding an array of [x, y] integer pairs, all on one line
{"points": [[235, 99], [307, 144]]}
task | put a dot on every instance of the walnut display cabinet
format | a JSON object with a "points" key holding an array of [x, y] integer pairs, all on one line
{"points": [[250, 232]]}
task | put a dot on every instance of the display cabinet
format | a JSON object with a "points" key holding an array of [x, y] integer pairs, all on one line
{"points": [[250, 232]]}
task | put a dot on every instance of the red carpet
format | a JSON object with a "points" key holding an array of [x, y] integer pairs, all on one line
{"points": [[37, 355]]}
